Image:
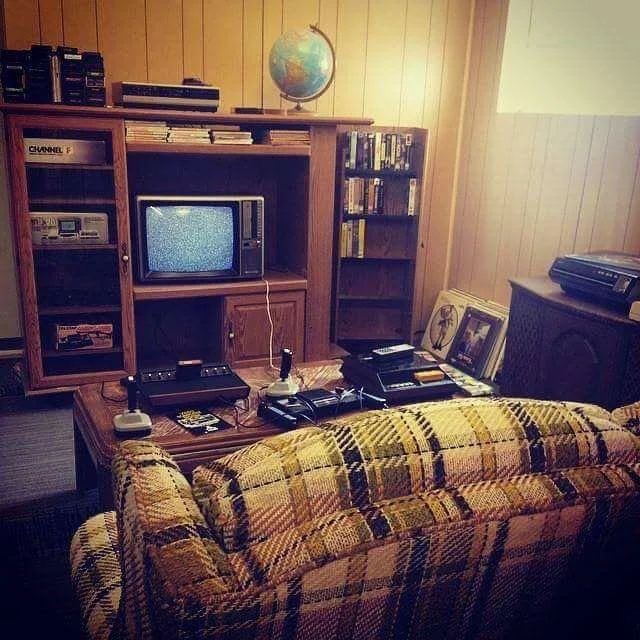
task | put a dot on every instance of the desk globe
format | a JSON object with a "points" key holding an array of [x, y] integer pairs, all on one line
{"points": [[302, 64]]}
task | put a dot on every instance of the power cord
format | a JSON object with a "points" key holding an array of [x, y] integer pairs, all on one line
{"points": [[268, 303]]}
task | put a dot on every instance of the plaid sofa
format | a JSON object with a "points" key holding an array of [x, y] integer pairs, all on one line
{"points": [[458, 519]]}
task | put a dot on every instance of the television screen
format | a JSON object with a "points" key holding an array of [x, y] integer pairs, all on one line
{"points": [[190, 238]]}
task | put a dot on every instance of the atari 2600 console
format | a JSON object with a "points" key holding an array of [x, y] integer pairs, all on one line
{"points": [[398, 374], [191, 382]]}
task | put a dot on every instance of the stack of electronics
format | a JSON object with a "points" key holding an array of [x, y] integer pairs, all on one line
{"points": [[398, 374], [43, 74], [467, 335], [287, 406]]}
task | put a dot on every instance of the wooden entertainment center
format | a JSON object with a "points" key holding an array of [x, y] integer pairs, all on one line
{"points": [[156, 323]]}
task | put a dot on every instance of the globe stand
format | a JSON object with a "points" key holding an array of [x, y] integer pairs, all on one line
{"points": [[298, 110]]}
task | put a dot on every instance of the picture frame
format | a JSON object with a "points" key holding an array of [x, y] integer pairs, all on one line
{"points": [[443, 324], [474, 341]]}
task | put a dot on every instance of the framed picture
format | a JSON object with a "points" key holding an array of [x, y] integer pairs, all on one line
{"points": [[474, 341], [444, 322]]}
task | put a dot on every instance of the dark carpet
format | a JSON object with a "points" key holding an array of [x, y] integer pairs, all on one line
{"points": [[39, 600]]}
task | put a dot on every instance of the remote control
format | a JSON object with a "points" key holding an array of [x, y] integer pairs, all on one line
{"points": [[393, 352]]}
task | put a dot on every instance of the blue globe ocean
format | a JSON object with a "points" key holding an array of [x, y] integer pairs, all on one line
{"points": [[301, 64]]}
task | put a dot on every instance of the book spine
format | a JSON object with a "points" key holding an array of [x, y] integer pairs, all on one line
{"points": [[380, 206], [343, 240], [408, 151], [352, 149], [361, 232], [377, 151], [56, 83], [365, 196], [411, 199]]}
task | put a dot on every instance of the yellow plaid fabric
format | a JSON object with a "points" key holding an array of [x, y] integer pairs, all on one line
{"points": [[383, 455], [95, 573], [443, 520], [628, 416]]}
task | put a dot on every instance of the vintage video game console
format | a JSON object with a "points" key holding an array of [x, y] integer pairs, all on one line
{"points": [[69, 228], [604, 276], [398, 374], [191, 382], [313, 404]]}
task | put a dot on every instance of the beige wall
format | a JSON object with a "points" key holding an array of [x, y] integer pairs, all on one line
{"points": [[400, 62], [533, 186]]}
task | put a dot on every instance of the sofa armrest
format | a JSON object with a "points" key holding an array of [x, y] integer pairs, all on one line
{"points": [[166, 545], [628, 416]]}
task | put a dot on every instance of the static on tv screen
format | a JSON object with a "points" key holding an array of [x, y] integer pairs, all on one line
{"points": [[189, 238]]}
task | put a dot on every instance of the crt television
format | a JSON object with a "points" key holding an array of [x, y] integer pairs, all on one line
{"points": [[199, 238]]}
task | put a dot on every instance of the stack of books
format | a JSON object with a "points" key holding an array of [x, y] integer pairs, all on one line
{"points": [[145, 131], [230, 134], [188, 133], [286, 136]]}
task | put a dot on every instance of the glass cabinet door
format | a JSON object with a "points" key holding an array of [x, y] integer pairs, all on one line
{"points": [[70, 211]]}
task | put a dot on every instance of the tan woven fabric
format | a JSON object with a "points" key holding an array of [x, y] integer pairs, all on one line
{"points": [[442, 520], [628, 416], [95, 573], [382, 455]]}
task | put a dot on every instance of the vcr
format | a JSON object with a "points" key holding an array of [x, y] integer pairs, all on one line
{"points": [[166, 96]]}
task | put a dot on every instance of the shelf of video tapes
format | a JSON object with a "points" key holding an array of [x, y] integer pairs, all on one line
{"points": [[373, 151], [43, 74]]}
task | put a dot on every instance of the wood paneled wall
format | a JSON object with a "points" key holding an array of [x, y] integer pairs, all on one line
{"points": [[534, 186], [401, 62]]}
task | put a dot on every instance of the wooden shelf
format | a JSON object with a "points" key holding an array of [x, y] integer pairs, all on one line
{"points": [[78, 310], [56, 201], [68, 167], [382, 173], [375, 301], [220, 149], [74, 247], [51, 353], [174, 115], [380, 259], [379, 217], [278, 281]]}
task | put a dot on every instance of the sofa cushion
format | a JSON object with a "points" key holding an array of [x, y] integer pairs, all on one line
{"points": [[95, 573], [353, 463]]}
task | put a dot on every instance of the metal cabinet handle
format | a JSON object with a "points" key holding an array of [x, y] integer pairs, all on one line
{"points": [[231, 335]]}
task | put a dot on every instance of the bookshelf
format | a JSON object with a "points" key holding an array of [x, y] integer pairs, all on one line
{"points": [[378, 216]]}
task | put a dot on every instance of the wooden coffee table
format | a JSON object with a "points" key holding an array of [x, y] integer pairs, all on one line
{"points": [[96, 441]]}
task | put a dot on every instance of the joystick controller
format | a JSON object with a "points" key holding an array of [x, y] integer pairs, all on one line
{"points": [[132, 420], [285, 386]]}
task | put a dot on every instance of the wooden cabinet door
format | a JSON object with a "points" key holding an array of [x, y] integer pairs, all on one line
{"points": [[582, 359], [247, 329]]}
